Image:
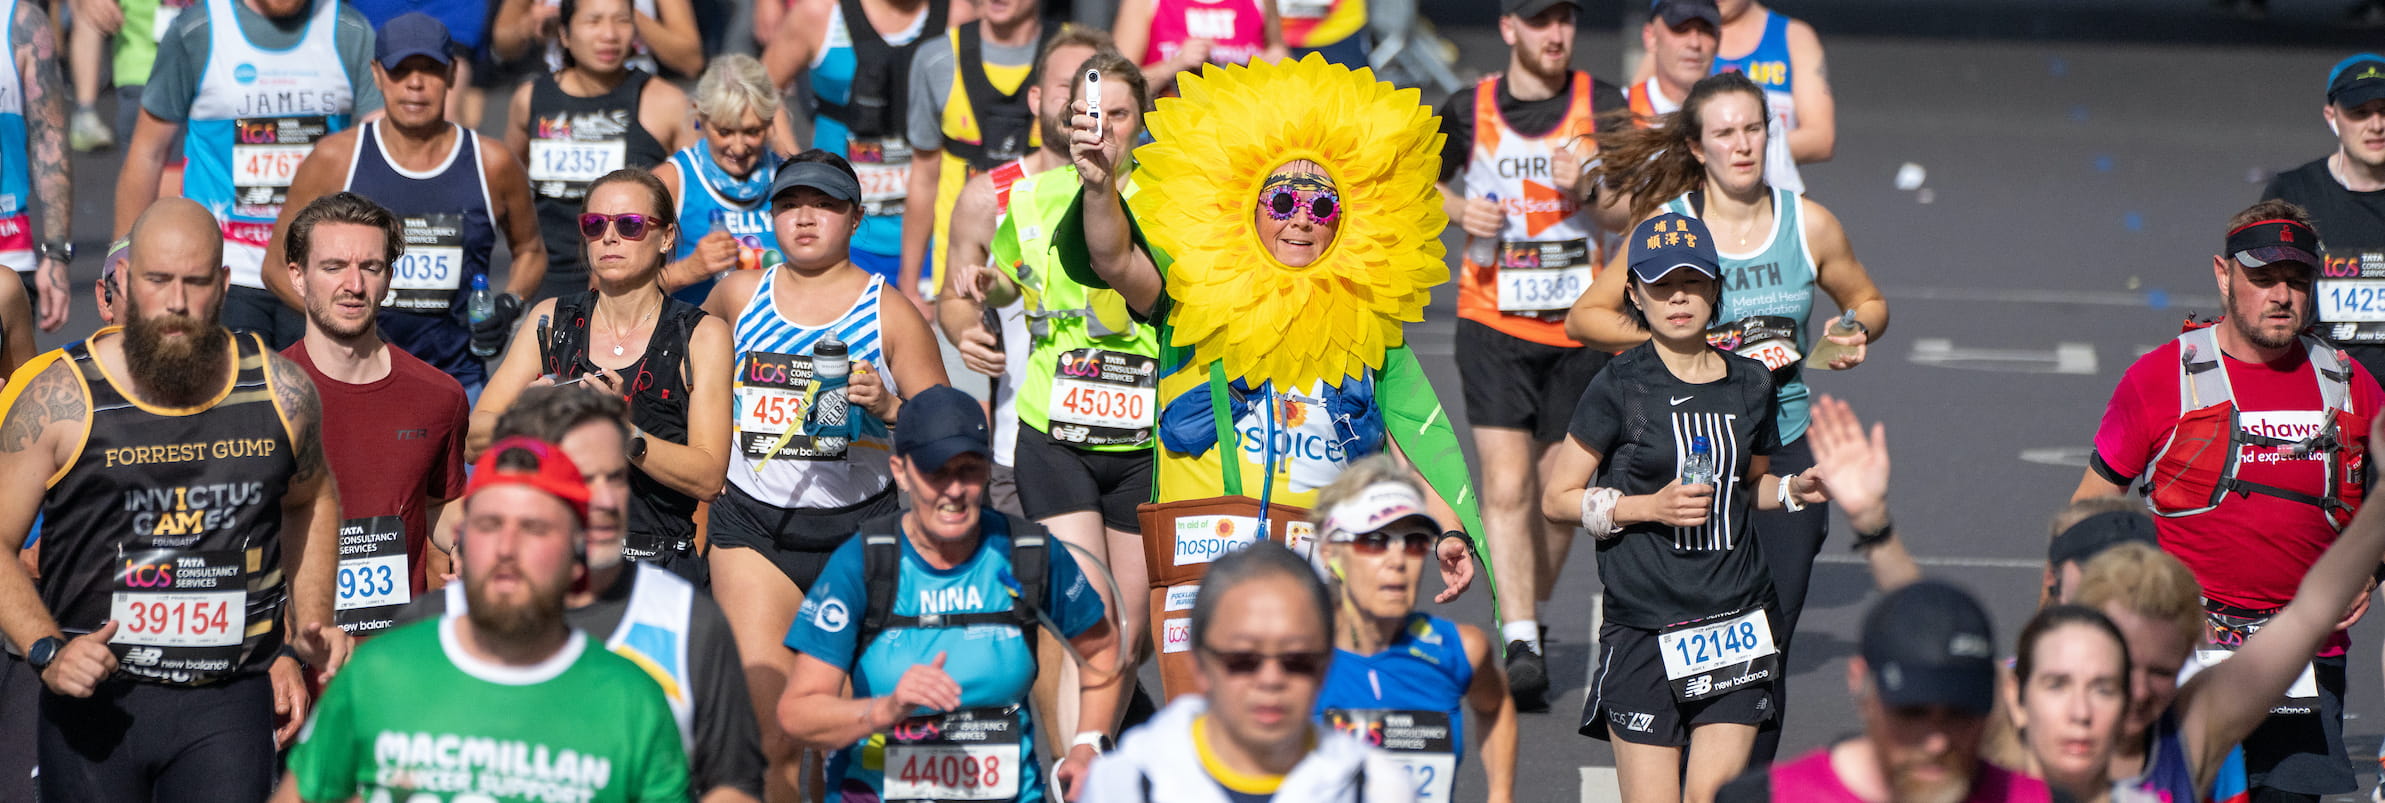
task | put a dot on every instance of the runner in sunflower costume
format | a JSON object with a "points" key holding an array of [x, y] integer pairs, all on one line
{"points": [[1285, 230]]}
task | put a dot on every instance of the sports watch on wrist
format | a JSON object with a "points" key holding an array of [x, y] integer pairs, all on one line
{"points": [[43, 652], [1100, 741], [60, 250]]}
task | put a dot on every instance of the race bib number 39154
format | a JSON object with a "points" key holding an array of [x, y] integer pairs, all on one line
{"points": [[180, 613]]}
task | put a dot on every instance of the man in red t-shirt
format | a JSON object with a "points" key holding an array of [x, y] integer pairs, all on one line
{"points": [[2250, 538], [393, 426]]}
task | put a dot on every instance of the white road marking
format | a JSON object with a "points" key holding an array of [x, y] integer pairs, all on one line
{"points": [[2058, 455], [2064, 358], [1948, 561], [1599, 785]]}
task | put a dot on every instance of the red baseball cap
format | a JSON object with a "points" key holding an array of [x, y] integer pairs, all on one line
{"points": [[555, 474]]}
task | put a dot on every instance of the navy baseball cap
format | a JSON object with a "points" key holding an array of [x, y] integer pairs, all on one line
{"points": [[820, 176], [413, 34], [2262, 242], [2102, 531], [2356, 80], [939, 424], [1675, 12], [1661, 244], [1532, 8], [1928, 644]]}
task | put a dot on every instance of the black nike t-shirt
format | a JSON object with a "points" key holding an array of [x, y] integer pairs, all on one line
{"points": [[1532, 118], [2349, 223], [1642, 421]]}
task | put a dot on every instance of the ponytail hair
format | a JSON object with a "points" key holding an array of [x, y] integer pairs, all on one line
{"points": [[1653, 159]]}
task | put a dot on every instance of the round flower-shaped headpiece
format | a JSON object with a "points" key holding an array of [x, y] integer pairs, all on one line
{"points": [[1200, 180]]}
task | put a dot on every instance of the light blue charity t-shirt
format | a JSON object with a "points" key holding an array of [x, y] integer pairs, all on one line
{"points": [[991, 663]]}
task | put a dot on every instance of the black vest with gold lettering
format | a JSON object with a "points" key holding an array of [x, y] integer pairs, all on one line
{"points": [[169, 522]]}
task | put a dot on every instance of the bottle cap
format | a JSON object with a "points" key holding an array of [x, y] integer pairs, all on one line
{"points": [[828, 347]]}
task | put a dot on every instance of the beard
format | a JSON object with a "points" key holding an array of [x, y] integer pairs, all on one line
{"points": [[1055, 131], [1908, 789], [516, 623], [174, 371], [324, 314], [2252, 324]]}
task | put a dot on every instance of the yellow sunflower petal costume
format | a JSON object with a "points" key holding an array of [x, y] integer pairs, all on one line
{"points": [[1201, 176], [1295, 371]]}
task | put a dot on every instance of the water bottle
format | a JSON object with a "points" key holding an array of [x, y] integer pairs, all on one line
{"points": [[1483, 251], [830, 421], [1699, 468], [481, 306], [1825, 350]]}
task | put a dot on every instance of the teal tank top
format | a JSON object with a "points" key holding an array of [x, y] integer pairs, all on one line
{"points": [[1774, 285]]}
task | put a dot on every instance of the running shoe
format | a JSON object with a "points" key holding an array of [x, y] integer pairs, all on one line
{"points": [[88, 133], [1527, 677]]}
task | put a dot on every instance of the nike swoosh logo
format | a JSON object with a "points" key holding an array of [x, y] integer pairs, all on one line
{"points": [[1677, 402]]}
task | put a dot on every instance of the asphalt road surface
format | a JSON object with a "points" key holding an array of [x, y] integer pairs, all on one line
{"points": [[2082, 159]]}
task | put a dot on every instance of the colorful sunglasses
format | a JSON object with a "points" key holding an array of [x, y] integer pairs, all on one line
{"points": [[1322, 205], [631, 226], [1380, 541]]}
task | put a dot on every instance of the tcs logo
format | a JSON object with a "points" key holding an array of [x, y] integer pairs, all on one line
{"points": [[148, 575]]}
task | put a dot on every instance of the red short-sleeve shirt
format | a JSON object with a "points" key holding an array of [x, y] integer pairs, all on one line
{"points": [[394, 444], [2253, 550]]}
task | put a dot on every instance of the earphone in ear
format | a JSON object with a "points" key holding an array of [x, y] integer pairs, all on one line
{"points": [[2332, 129]]}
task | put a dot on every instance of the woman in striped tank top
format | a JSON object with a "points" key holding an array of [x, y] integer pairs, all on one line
{"points": [[1707, 161], [793, 497]]}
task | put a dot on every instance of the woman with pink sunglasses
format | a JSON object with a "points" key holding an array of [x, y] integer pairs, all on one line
{"points": [[663, 356]]}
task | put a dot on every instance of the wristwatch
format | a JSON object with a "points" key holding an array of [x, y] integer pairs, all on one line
{"points": [[1100, 741], [43, 652], [1867, 540], [637, 447], [60, 250]]}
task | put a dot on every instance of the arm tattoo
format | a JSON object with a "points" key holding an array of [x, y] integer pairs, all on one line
{"points": [[45, 119], [304, 407], [53, 396]]}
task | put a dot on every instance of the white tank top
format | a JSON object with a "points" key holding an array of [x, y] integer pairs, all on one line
{"points": [[774, 366]]}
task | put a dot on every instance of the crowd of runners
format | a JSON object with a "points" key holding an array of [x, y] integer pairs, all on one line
{"points": [[621, 457]]}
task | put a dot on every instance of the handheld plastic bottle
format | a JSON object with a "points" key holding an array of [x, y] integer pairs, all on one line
{"points": [[830, 421], [479, 307], [1699, 468], [1483, 251]]}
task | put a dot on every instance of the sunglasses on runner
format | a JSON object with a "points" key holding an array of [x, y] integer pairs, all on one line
{"points": [[630, 225], [1380, 541], [1322, 205], [1306, 664]]}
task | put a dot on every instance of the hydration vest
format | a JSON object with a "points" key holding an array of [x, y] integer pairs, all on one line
{"points": [[2197, 468], [882, 571]]}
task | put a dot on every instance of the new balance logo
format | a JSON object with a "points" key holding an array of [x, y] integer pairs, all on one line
{"points": [[1698, 686]]}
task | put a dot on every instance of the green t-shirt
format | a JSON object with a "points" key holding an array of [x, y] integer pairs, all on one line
{"points": [[145, 23], [1107, 399], [414, 715]]}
